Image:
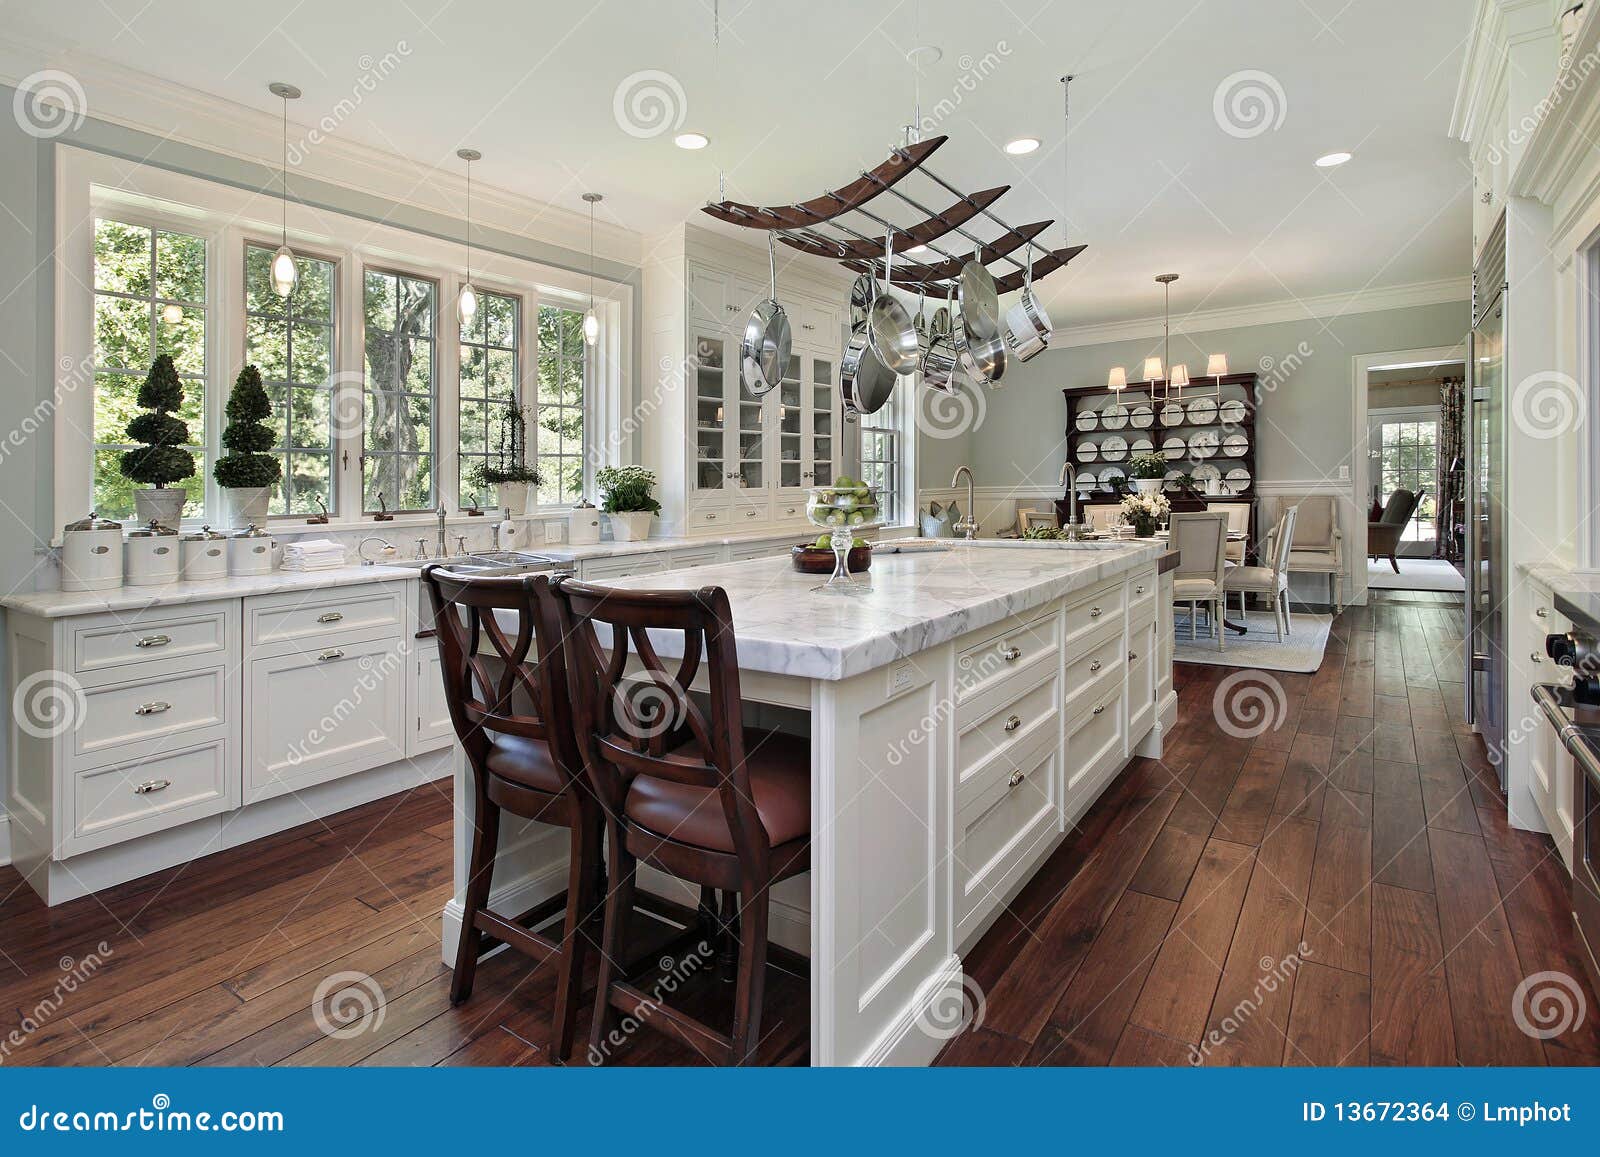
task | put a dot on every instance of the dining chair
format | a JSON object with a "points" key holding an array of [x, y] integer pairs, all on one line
{"points": [[1201, 540], [1318, 544], [1238, 516], [1271, 580], [685, 786], [506, 688]]}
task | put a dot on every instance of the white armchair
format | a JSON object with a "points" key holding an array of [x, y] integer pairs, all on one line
{"points": [[1317, 543]]}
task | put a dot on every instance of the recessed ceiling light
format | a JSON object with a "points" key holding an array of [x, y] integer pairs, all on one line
{"points": [[691, 140], [1329, 160], [1022, 145]]}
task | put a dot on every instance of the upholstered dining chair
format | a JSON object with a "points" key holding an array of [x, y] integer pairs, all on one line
{"points": [[1238, 515], [1201, 540], [1383, 536], [1318, 543], [686, 787], [1271, 580]]}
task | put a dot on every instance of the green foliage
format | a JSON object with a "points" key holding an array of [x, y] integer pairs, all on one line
{"points": [[247, 437], [624, 489], [1040, 533], [161, 458], [1148, 466]]}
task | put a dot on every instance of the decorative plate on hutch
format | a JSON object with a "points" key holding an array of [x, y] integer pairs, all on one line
{"points": [[1088, 421], [1172, 479], [1236, 445], [1113, 417], [1233, 411], [1172, 414], [1202, 411], [1237, 480], [1114, 448], [1142, 416], [1109, 473], [1204, 444], [1141, 446], [1206, 472], [1088, 452], [1174, 448]]}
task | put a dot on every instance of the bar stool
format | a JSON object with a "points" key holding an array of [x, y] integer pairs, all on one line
{"points": [[513, 719], [690, 792]]}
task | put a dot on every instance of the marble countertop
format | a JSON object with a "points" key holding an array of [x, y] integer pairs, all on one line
{"points": [[784, 626], [1577, 595], [63, 604], [566, 552]]}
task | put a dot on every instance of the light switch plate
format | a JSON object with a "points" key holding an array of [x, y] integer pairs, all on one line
{"points": [[901, 676], [1344, 474], [552, 532]]}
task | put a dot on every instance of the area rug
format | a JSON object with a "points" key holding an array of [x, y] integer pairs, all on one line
{"points": [[1300, 651], [1416, 574]]}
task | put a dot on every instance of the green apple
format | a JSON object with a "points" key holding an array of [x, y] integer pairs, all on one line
{"points": [[824, 542]]}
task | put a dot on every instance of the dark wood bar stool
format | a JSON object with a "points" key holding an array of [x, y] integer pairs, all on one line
{"points": [[690, 792], [513, 718]]}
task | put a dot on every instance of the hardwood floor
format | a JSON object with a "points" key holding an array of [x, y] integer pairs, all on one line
{"points": [[1339, 889]]}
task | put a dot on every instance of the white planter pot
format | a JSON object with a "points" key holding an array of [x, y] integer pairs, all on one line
{"points": [[631, 526], [513, 497], [164, 505], [247, 505], [1149, 485]]}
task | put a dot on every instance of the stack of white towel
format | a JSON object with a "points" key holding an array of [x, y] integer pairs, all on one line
{"points": [[313, 554]]}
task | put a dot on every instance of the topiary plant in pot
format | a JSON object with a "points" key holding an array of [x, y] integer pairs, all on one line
{"points": [[249, 470], [161, 458], [508, 474], [625, 498]]}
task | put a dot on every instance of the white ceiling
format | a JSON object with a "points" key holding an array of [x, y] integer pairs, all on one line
{"points": [[808, 94]]}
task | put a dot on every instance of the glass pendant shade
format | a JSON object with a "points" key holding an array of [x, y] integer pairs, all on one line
{"points": [[467, 303], [1152, 369], [591, 327], [285, 272], [1118, 379], [1217, 365]]}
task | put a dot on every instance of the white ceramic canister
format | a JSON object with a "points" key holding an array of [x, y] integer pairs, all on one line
{"points": [[583, 524], [250, 552], [91, 555], [205, 555], [152, 556]]}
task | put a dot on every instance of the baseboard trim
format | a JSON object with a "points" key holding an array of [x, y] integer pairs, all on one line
{"points": [[5, 840], [907, 1041]]}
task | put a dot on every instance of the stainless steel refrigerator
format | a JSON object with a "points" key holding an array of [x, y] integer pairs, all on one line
{"points": [[1485, 652]]}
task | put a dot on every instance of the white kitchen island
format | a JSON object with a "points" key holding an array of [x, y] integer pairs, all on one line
{"points": [[963, 715]]}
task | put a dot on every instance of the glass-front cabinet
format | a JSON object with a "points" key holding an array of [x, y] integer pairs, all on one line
{"points": [[807, 400], [730, 427]]}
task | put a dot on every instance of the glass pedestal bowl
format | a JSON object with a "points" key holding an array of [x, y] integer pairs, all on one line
{"points": [[844, 512]]}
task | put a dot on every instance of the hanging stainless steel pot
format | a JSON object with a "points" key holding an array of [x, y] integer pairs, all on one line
{"points": [[862, 291], [1027, 323], [865, 383], [983, 347], [764, 351], [941, 359], [889, 328]]}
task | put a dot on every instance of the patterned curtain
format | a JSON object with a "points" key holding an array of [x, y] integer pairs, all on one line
{"points": [[1451, 511]]}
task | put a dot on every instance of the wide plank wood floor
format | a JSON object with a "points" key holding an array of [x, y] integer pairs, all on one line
{"points": [[1339, 889]]}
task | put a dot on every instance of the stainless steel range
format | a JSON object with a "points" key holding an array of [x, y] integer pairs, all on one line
{"points": [[1575, 714]]}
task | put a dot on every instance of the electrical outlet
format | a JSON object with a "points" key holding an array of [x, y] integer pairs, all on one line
{"points": [[1344, 474], [552, 532], [901, 676]]}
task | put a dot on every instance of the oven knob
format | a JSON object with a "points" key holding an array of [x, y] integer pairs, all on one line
{"points": [[1562, 648]]}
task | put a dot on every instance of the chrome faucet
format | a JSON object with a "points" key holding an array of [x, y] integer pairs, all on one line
{"points": [[444, 549], [968, 526], [1069, 478]]}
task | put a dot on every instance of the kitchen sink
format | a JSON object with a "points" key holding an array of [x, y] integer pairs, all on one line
{"points": [[490, 562]]}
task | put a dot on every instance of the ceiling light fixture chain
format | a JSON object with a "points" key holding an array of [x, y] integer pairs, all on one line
{"points": [[1066, 168]]}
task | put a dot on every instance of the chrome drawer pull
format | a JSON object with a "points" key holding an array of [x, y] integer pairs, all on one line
{"points": [[1013, 722], [153, 641], [1099, 709], [328, 655], [1011, 654], [1095, 666], [1132, 655], [1139, 590], [1542, 612], [750, 514], [155, 708], [330, 617], [1016, 778], [1095, 612], [152, 785]]}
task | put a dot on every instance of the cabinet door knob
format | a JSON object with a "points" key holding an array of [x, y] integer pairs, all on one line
{"points": [[155, 708], [1098, 710], [1095, 612], [328, 656], [807, 325], [1536, 657], [335, 616], [1095, 666], [1132, 655], [153, 641], [1139, 590], [1015, 778], [1542, 612], [1011, 654], [152, 785], [1013, 722]]}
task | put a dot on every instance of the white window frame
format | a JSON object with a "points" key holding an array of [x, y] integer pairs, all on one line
{"points": [[1380, 416], [904, 428], [90, 184], [1586, 310], [519, 354]]}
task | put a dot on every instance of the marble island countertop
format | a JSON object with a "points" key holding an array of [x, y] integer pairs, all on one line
{"points": [[785, 626]]}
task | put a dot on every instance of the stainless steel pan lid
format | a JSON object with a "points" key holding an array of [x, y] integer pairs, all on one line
{"points": [[764, 350]]}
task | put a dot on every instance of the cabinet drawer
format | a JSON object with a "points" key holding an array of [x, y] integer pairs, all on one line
{"points": [[123, 801], [118, 715], [788, 511], [600, 569], [1142, 588], [1103, 660], [1095, 737], [1000, 832], [687, 559], [709, 518], [106, 643], [1007, 656], [1084, 618], [318, 715], [758, 550], [1012, 725], [373, 609]]}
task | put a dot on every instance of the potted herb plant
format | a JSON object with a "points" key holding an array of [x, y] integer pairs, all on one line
{"points": [[249, 470], [625, 499], [509, 474], [1147, 472], [160, 459], [1144, 512]]}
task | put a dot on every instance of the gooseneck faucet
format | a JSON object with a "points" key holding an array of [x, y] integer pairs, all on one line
{"points": [[443, 550], [1070, 472], [968, 526]]}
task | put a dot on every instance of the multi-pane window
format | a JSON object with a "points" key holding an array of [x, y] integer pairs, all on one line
{"points": [[1407, 453], [401, 384], [881, 456], [149, 299], [489, 369], [560, 404], [291, 341]]}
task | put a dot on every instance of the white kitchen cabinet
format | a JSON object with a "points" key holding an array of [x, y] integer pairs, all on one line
{"points": [[431, 725], [807, 408], [1552, 769]]}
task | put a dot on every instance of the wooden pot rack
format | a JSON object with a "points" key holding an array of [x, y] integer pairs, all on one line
{"points": [[815, 227]]}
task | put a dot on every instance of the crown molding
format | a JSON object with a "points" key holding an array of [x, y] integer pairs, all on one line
{"points": [[1330, 305], [1561, 145], [137, 100], [1497, 25]]}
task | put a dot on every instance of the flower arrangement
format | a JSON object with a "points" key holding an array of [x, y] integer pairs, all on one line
{"points": [[1148, 466], [624, 489], [1144, 512]]}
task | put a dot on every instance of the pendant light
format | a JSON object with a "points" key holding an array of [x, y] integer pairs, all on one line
{"points": [[591, 321], [467, 299], [285, 270]]}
